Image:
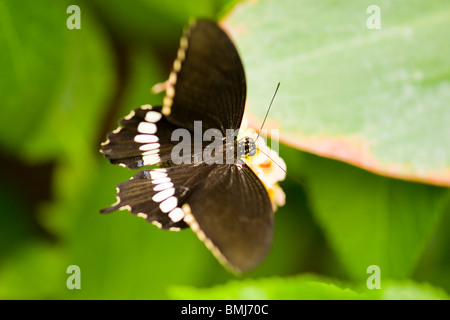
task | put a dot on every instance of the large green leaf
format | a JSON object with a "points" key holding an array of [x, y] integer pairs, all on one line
{"points": [[373, 220], [376, 98]]}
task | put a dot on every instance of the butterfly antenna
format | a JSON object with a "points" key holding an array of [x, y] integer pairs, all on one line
{"points": [[262, 125], [268, 109]]}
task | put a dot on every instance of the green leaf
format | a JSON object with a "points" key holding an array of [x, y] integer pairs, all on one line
{"points": [[378, 99], [31, 60], [409, 290], [373, 220], [34, 271], [307, 287], [56, 82], [301, 287], [160, 21]]}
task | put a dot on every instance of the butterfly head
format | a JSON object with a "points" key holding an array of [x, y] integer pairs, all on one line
{"points": [[248, 147], [264, 162]]}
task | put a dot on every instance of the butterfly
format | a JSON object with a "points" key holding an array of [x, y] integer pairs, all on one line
{"points": [[224, 203]]}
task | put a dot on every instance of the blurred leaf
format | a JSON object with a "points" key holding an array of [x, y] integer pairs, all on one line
{"points": [[32, 59], [378, 99], [307, 287], [161, 21], [14, 227], [435, 262], [300, 287], [408, 290], [56, 80], [34, 271], [373, 220]]}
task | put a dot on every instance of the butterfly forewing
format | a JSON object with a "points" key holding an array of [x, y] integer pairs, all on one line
{"points": [[207, 81], [143, 138]]}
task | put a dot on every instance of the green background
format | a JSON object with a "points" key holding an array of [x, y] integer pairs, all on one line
{"points": [[63, 90]]}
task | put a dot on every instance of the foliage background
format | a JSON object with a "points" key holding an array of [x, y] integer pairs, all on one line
{"points": [[62, 90]]}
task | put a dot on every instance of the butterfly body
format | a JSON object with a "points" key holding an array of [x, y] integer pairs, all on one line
{"points": [[202, 183]]}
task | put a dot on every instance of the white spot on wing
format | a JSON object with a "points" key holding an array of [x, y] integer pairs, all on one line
{"points": [[161, 180], [172, 78], [181, 54], [149, 146], [150, 152], [163, 186], [146, 127], [117, 130], [183, 43], [176, 215], [158, 224], [177, 65], [170, 92], [151, 139], [167, 104], [157, 174], [130, 115], [144, 138], [153, 116], [146, 107], [163, 195], [151, 159], [168, 204]]}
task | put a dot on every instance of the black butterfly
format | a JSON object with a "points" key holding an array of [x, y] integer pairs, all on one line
{"points": [[225, 204]]}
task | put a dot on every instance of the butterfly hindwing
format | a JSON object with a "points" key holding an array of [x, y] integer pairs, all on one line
{"points": [[207, 81], [158, 194], [236, 226]]}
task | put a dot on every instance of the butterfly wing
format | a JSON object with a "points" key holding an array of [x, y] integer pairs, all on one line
{"points": [[207, 81], [226, 205], [157, 195], [236, 226], [143, 138]]}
